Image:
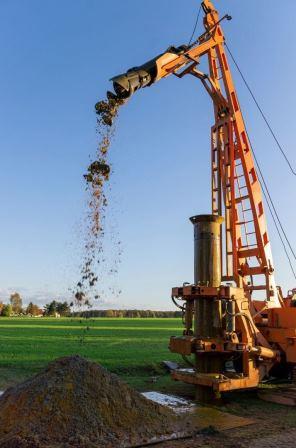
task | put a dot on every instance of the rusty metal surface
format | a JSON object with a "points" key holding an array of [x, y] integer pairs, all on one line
{"points": [[217, 381], [206, 416], [207, 250], [182, 345], [193, 291]]}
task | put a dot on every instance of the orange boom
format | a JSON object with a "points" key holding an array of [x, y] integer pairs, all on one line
{"points": [[238, 326]]}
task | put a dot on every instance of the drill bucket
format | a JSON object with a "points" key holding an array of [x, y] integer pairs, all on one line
{"points": [[126, 84]]}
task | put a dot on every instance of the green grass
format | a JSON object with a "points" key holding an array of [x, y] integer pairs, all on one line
{"points": [[132, 348]]}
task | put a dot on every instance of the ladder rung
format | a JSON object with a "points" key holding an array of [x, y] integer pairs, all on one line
{"points": [[242, 198], [241, 223], [258, 270], [257, 288], [248, 253]]}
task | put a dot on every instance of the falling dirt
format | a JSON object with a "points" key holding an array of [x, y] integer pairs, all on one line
{"points": [[78, 403], [96, 177]]}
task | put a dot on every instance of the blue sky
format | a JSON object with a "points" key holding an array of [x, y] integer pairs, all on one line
{"points": [[56, 60]]}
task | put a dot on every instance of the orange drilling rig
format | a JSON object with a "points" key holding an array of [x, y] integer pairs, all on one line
{"points": [[235, 338]]}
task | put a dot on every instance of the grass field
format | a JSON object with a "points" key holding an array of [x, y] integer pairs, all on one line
{"points": [[132, 348]]}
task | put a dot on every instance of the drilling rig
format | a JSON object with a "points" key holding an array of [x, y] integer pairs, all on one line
{"points": [[238, 327]]}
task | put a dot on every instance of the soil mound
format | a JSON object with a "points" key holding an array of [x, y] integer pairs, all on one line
{"points": [[78, 403]]}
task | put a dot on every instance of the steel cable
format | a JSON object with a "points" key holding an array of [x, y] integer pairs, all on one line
{"points": [[261, 112], [195, 26], [273, 211]]}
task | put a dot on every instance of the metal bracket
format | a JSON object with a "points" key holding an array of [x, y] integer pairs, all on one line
{"points": [[206, 10], [187, 70]]}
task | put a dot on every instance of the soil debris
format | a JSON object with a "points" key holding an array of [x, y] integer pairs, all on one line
{"points": [[78, 403], [107, 110], [97, 175]]}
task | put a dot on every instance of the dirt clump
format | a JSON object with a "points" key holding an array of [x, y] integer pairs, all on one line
{"points": [[107, 110], [78, 403], [97, 175]]}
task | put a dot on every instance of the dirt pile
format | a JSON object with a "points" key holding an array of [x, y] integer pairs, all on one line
{"points": [[98, 173], [78, 403]]}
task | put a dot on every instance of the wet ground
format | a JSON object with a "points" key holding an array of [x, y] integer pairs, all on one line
{"points": [[263, 425], [235, 439]]}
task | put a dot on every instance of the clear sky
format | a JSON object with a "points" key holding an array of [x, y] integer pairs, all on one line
{"points": [[56, 59]]}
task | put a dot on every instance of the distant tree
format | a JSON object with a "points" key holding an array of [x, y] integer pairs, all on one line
{"points": [[16, 303], [50, 308], [7, 310], [109, 313], [62, 308], [1, 307], [34, 310], [29, 309]]}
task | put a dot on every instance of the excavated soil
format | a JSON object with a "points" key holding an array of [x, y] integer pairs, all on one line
{"points": [[96, 177], [78, 403]]}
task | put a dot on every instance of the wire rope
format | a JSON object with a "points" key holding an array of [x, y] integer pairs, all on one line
{"points": [[270, 203], [262, 113], [273, 211], [195, 27]]}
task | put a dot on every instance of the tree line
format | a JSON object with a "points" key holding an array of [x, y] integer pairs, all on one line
{"points": [[127, 313], [15, 307], [56, 309]]}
